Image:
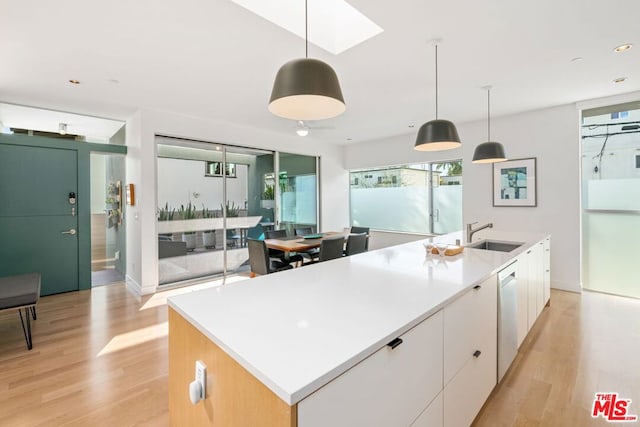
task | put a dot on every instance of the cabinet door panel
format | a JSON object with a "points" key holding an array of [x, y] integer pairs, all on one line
{"points": [[547, 269], [522, 273], [389, 388], [432, 416], [466, 321], [469, 389]]}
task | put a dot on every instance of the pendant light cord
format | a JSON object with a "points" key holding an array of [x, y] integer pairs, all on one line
{"points": [[488, 115], [306, 31], [436, 81]]}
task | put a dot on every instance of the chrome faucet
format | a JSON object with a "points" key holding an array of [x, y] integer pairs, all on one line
{"points": [[471, 231]]}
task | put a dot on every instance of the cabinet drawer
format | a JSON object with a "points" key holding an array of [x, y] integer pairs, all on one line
{"points": [[432, 416], [466, 320], [469, 389], [389, 388]]}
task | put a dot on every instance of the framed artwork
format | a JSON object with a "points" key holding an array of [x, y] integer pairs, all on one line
{"points": [[514, 183], [215, 169]]}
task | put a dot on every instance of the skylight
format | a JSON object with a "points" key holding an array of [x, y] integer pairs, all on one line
{"points": [[334, 25]]}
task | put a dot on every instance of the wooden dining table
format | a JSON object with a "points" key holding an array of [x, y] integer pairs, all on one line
{"points": [[300, 244]]}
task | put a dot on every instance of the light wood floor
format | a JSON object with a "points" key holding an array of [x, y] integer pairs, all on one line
{"points": [[100, 359]]}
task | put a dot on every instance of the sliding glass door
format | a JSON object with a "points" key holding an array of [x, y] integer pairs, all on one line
{"points": [[210, 200]]}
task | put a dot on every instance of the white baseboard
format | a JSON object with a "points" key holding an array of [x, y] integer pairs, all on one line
{"points": [[564, 286], [137, 289]]}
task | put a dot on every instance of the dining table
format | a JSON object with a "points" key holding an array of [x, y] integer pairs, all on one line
{"points": [[302, 243]]}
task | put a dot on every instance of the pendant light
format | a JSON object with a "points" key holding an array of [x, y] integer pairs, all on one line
{"points": [[438, 134], [306, 89], [489, 152]]}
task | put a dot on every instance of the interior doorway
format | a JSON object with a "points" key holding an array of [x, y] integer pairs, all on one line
{"points": [[108, 240]]}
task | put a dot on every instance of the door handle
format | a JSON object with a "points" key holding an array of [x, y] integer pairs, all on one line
{"points": [[396, 342], [71, 231]]}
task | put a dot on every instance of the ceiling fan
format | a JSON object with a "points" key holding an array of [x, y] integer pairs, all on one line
{"points": [[303, 127]]}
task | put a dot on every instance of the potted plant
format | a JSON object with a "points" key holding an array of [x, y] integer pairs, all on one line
{"points": [[186, 213], [208, 236], [231, 210], [268, 198]]}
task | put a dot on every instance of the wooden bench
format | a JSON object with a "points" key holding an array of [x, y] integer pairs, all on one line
{"points": [[21, 293]]}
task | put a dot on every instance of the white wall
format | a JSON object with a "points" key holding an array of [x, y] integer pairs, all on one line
{"points": [[142, 259], [551, 135], [183, 181], [98, 183]]}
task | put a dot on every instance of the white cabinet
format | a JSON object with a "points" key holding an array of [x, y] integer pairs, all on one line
{"points": [[547, 270], [470, 352], [392, 387], [533, 273], [432, 416], [522, 273]]}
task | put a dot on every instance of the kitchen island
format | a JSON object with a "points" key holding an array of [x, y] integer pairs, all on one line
{"points": [[377, 336]]}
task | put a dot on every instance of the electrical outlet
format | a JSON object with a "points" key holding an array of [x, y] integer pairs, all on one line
{"points": [[117, 255], [198, 387]]}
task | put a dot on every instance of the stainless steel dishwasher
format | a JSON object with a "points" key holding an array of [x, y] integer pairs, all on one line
{"points": [[507, 318]]}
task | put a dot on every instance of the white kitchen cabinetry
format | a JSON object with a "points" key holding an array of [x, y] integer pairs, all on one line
{"points": [[432, 416], [533, 285], [470, 352], [392, 387], [538, 273], [547, 270], [522, 273]]}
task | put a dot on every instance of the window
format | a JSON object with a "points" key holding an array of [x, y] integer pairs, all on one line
{"points": [[420, 198], [215, 169]]}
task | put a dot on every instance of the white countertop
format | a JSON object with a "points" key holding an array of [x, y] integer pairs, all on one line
{"points": [[296, 330]]}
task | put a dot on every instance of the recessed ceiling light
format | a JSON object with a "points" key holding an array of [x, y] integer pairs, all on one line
{"points": [[74, 81], [577, 59], [619, 80], [114, 81], [623, 48], [349, 139]]}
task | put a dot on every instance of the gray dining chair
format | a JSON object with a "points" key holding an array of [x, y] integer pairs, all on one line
{"points": [[356, 243], [281, 255], [359, 230], [331, 248], [259, 259], [303, 231], [311, 254]]}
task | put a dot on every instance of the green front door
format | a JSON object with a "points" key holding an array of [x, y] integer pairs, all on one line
{"points": [[38, 225]]}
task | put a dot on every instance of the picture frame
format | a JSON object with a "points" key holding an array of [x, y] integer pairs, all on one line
{"points": [[514, 183], [215, 169]]}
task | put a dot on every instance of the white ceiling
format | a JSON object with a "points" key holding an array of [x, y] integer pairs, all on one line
{"points": [[215, 59]]}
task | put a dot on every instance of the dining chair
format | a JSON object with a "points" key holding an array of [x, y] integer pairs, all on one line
{"points": [[331, 248], [233, 238], [303, 231], [360, 230], [311, 254], [281, 255], [356, 243], [259, 259]]}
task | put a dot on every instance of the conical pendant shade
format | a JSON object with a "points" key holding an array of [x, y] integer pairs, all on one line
{"points": [[437, 135], [306, 89], [489, 152]]}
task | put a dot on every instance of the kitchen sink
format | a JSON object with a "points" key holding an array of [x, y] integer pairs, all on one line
{"points": [[495, 245]]}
